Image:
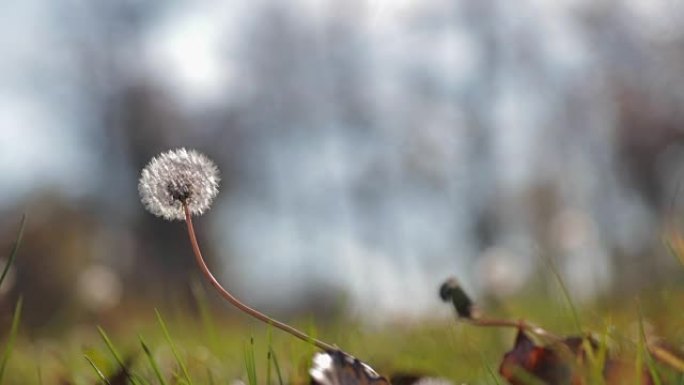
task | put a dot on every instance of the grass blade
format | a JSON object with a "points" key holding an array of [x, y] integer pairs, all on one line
{"points": [[250, 364], [269, 344], [10, 341], [667, 357], [15, 248], [277, 367], [123, 366], [675, 244], [644, 353], [566, 293], [208, 324], [97, 370], [39, 374], [490, 371], [313, 334], [111, 347], [165, 330], [152, 361], [597, 358]]}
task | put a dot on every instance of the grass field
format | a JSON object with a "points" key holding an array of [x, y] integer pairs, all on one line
{"points": [[214, 344], [219, 350]]}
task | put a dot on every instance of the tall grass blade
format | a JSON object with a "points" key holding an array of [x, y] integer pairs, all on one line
{"points": [[250, 363], [277, 367], [675, 244], [97, 370], [110, 346], [597, 361], [639, 362], [269, 344], [208, 324], [39, 374], [566, 293], [122, 365], [312, 331], [667, 357], [168, 338], [15, 248], [643, 351], [153, 362], [673, 240], [494, 376], [10, 340], [673, 250]]}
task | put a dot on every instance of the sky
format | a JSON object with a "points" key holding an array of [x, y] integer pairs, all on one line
{"points": [[193, 48]]}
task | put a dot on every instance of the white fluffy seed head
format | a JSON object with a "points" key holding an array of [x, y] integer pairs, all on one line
{"points": [[176, 177]]}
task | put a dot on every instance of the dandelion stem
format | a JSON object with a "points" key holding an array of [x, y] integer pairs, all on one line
{"points": [[236, 302]]}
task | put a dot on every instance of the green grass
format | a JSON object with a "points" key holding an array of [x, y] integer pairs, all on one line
{"points": [[153, 362], [250, 363], [178, 351], [176, 355], [9, 345], [97, 370], [215, 345], [15, 249], [16, 317]]}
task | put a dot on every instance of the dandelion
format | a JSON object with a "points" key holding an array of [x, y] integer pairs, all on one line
{"points": [[180, 183], [177, 178]]}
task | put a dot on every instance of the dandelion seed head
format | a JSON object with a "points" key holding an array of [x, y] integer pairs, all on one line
{"points": [[176, 177]]}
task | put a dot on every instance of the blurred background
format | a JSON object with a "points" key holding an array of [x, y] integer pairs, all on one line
{"points": [[369, 149]]}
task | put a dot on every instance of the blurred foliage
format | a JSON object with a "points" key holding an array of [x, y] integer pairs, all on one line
{"points": [[460, 352]]}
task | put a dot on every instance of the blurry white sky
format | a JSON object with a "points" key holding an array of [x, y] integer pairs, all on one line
{"points": [[189, 47], [192, 48]]}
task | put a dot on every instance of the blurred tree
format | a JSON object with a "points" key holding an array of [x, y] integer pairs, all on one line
{"points": [[640, 59], [131, 119]]}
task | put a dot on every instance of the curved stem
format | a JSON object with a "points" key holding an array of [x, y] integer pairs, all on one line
{"points": [[236, 302], [521, 324]]}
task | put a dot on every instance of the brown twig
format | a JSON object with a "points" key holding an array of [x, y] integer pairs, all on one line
{"points": [[520, 324]]}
